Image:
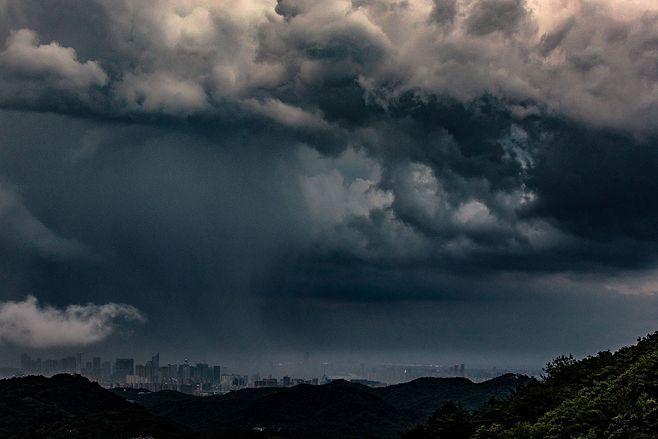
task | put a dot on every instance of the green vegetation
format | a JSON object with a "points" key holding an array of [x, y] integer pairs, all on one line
{"points": [[602, 396]]}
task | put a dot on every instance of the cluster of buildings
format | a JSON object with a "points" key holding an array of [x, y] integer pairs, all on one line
{"points": [[206, 379], [123, 372], [197, 379]]}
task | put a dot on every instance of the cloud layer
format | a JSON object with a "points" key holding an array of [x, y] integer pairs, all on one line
{"points": [[239, 161], [29, 325], [588, 60]]}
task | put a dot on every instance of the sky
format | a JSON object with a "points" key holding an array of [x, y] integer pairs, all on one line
{"points": [[399, 180]]}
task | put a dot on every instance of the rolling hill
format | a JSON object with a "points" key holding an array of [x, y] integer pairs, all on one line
{"points": [[336, 410], [608, 395], [68, 406]]}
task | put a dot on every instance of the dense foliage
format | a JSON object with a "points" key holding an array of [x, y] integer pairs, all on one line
{"points": [[602, 396], [336, 410], [68, 406]]}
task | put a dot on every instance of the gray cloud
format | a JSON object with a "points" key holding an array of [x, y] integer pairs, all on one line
{"points": [[29, 325], [23, 232], [32, 71], [187, 57], [233, 160], [488, 16], [444, 11]]}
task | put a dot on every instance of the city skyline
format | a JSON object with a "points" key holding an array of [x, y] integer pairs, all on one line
{"points": [[204, 379]]}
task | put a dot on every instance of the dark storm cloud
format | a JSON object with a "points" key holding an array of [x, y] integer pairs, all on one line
{"points": [[220, 165], [550, 41], [488, 16], [444, 11]]}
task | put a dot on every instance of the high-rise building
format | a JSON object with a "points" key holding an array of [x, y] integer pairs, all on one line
{"points": [[216, 374], [26, 364], [203, 373], [106, 371], [96, 367], [140, 371], [172, 372], [69, 364], [122, 368], [155, 361], [184, 372], [51, 367]]}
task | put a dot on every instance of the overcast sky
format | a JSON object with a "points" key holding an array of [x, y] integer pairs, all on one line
{"points": [[420, 180]]}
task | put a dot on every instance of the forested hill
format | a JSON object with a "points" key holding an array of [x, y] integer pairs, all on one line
{"points": [[603, 396], [71, 407], [609, 395], [68, 406], [337, 410]]}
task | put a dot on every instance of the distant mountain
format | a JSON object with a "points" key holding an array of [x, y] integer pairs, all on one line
{"points": [[421, 397], [67, 406], [72, 407], [603, 396], [337, 410]]}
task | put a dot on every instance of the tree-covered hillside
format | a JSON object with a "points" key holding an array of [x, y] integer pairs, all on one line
{"points": [[603, 396], [71, 407]]}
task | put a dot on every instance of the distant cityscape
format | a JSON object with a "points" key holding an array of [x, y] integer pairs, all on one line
{"points": [[205, 379]]}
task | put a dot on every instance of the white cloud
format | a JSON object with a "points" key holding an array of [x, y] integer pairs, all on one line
{"points": [[349, 211], [341, 188], [474, 214], [286, 114], [161, 93], [28, 324], [26, 59]]}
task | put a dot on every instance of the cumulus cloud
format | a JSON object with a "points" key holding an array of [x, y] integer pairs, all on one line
{"points": [[591, 61], [349, 211], [31, 69], [488, 16], [26, 58], [286, 114], [161, 93], [29, 324], [444, 11], [277, 140]]}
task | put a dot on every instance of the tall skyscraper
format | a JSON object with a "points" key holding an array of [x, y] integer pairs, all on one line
{"points": [[122, 368], [203, 373], [172, 371], [96, 367], [184, 372], [70, 365], [155, 361], [26, 364], [216, 374]]}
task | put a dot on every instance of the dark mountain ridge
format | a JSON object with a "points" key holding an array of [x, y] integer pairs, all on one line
{"points": [[70, 406], [608, 395], [339, 409]]}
